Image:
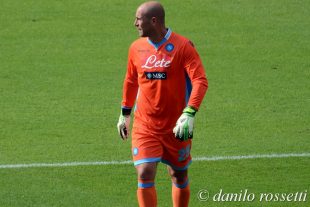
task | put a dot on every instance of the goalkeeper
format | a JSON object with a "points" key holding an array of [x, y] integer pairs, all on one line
{"points": [[166, 82]]}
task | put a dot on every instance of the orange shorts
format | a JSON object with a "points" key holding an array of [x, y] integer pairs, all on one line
{"points": [[165, 148]]}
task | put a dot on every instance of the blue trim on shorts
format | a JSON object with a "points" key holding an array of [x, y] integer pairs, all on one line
{"points": [[145, 185], [175, 167], [181, 185], [153, 159]]}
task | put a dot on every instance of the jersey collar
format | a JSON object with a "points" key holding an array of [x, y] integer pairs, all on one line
{"points": [[166, 37]]}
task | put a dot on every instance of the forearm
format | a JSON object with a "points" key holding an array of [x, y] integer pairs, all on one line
{"points": [[130, 90], [199, 89]]}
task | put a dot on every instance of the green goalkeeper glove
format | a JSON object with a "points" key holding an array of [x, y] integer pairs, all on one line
{"points": [[185, 124], [124, 123]]}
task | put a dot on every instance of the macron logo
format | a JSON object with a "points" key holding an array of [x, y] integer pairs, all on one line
{"points": [[153, 62]]}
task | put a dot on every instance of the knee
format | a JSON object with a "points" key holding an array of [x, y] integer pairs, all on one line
{"points": [[146, 171], [178, 176], [179, 179]]}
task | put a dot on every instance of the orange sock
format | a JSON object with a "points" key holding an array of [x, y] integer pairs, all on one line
{"points": [[146, 194], [180, 194]]}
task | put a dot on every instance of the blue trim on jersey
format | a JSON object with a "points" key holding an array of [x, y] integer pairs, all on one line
{"points": [[135, 106], [145, 185], [153, 159], [188, 89], [168, 34], [175, 167], [165, 39], [181, 185], [126, 107]]}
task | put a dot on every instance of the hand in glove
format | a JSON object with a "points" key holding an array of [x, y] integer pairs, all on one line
{"points": [[185, 124], [124, 123]]}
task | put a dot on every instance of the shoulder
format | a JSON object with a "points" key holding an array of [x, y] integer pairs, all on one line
{"points": [[138, 43], [181, 40], [179, 37]]}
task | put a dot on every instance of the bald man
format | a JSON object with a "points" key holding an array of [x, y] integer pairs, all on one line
{"points": [[166, 81]]}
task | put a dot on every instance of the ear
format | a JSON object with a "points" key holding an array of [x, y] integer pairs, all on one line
{"points": [[154, 20]]}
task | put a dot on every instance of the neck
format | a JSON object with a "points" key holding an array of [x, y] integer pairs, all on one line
{"points": [[158, 35]]}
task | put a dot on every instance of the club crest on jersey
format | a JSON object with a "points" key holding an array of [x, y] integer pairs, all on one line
{"points": [[169, 47], [154, 62]]}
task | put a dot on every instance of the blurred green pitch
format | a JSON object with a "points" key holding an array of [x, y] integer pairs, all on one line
{"points": [[61, 69]]}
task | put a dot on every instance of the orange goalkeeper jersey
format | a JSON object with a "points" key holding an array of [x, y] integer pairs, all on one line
{"points": [[161, 80]]}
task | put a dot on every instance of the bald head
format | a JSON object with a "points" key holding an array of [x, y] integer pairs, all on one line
{"points": [[152, 9]]}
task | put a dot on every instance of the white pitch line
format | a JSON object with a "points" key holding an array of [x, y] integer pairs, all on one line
{"points": [[213, 158], [243, 157]]}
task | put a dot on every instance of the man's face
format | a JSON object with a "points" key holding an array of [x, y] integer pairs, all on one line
{"points": [[143, 24]]}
